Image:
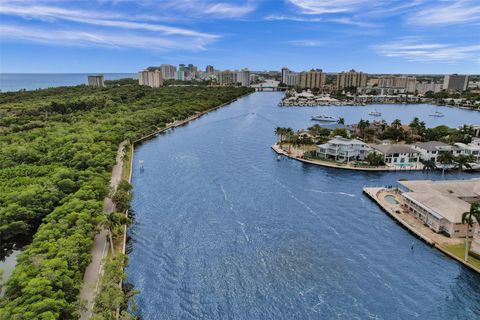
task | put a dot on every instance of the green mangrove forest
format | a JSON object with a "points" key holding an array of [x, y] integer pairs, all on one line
{"points": [[57, 149]]}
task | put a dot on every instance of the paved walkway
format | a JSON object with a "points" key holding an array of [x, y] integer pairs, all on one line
{"points": [[93, 273]]}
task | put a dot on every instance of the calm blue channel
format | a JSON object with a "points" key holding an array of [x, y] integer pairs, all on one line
{"points": [[225, 231]]}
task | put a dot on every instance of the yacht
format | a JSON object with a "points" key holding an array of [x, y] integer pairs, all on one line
{"points": [[437, 114], [375, 113], [324, 118]]}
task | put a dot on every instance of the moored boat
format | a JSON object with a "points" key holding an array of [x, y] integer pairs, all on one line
{"points": [[324, 118]]}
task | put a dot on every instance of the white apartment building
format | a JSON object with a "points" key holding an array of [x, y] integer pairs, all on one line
{"points": [[402, 82], [227, 77], [150, 77], [424, 87], [343, 150], [243, 77], [351, 78], [168, 71], [312, 79], [455, 82]]}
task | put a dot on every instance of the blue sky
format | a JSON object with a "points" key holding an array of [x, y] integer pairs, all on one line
{"points": [[384, 36]]}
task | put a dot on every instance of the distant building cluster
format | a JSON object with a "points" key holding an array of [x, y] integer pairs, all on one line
{"points": [[350, 82], [155, 76]]}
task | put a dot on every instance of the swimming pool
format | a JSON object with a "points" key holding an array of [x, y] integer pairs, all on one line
{"points": [[391, 199]]}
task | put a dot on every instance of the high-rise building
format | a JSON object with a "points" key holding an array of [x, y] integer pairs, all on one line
{"points": [[289, 77], [181, 75], [351, 78], [402, 82], [227, 77], [243, 76], [168, 71], [285, 72], [192, 68], [151, 77], [209, 69], [455, 82], [424, 87], [96, 81], [311, 79]]}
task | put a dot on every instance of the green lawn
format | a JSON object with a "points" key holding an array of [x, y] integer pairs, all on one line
{"points": [[459, 251]]}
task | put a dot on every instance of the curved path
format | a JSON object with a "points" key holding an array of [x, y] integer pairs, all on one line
{"points": [[93, 273]]}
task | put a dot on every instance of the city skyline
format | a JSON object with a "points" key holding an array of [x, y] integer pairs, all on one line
{"points": [[414, 37]]}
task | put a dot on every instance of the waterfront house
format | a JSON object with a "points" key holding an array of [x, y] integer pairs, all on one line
{"points": [[397, 154], [431, 149], [441, 204], [471, 149], [343, 150]]}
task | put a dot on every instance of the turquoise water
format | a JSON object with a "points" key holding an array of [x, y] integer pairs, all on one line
{"points": [[225, 231], [391, 199], [32, 81]]}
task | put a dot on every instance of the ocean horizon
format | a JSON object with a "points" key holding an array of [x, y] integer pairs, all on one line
{"points": [[10, 82]]}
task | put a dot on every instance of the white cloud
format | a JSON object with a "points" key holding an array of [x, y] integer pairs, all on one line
{"points": [[276, 17], [332, 6], [99, 38], [341, 20], [219, 10], [413, 49], [448, 12], [94, 18], [307, 43], [229, 10]]}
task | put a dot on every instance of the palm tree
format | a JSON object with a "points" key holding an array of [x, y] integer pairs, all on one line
{"points": [[463, 162], [469, 218], [111, 222], [429, 165], [278, 133], [396, 123], [289, 133], [341, 120], [445, 158]]}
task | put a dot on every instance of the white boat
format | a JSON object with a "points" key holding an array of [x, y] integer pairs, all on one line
{"points": [[324, 118], [375, 113], [437, 114]]}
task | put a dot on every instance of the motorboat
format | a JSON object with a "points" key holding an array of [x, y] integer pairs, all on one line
{"points": [[375, 113], [324, 118], [437, 114]]}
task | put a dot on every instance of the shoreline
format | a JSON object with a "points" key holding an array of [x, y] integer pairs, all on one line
{"points": [[282, 152], [372, 194]]}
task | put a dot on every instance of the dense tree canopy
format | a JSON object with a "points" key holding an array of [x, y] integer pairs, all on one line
{"points": [[57, 148]]}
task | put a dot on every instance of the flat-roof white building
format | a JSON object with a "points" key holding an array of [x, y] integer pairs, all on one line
{"points": [[441, 204]]}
